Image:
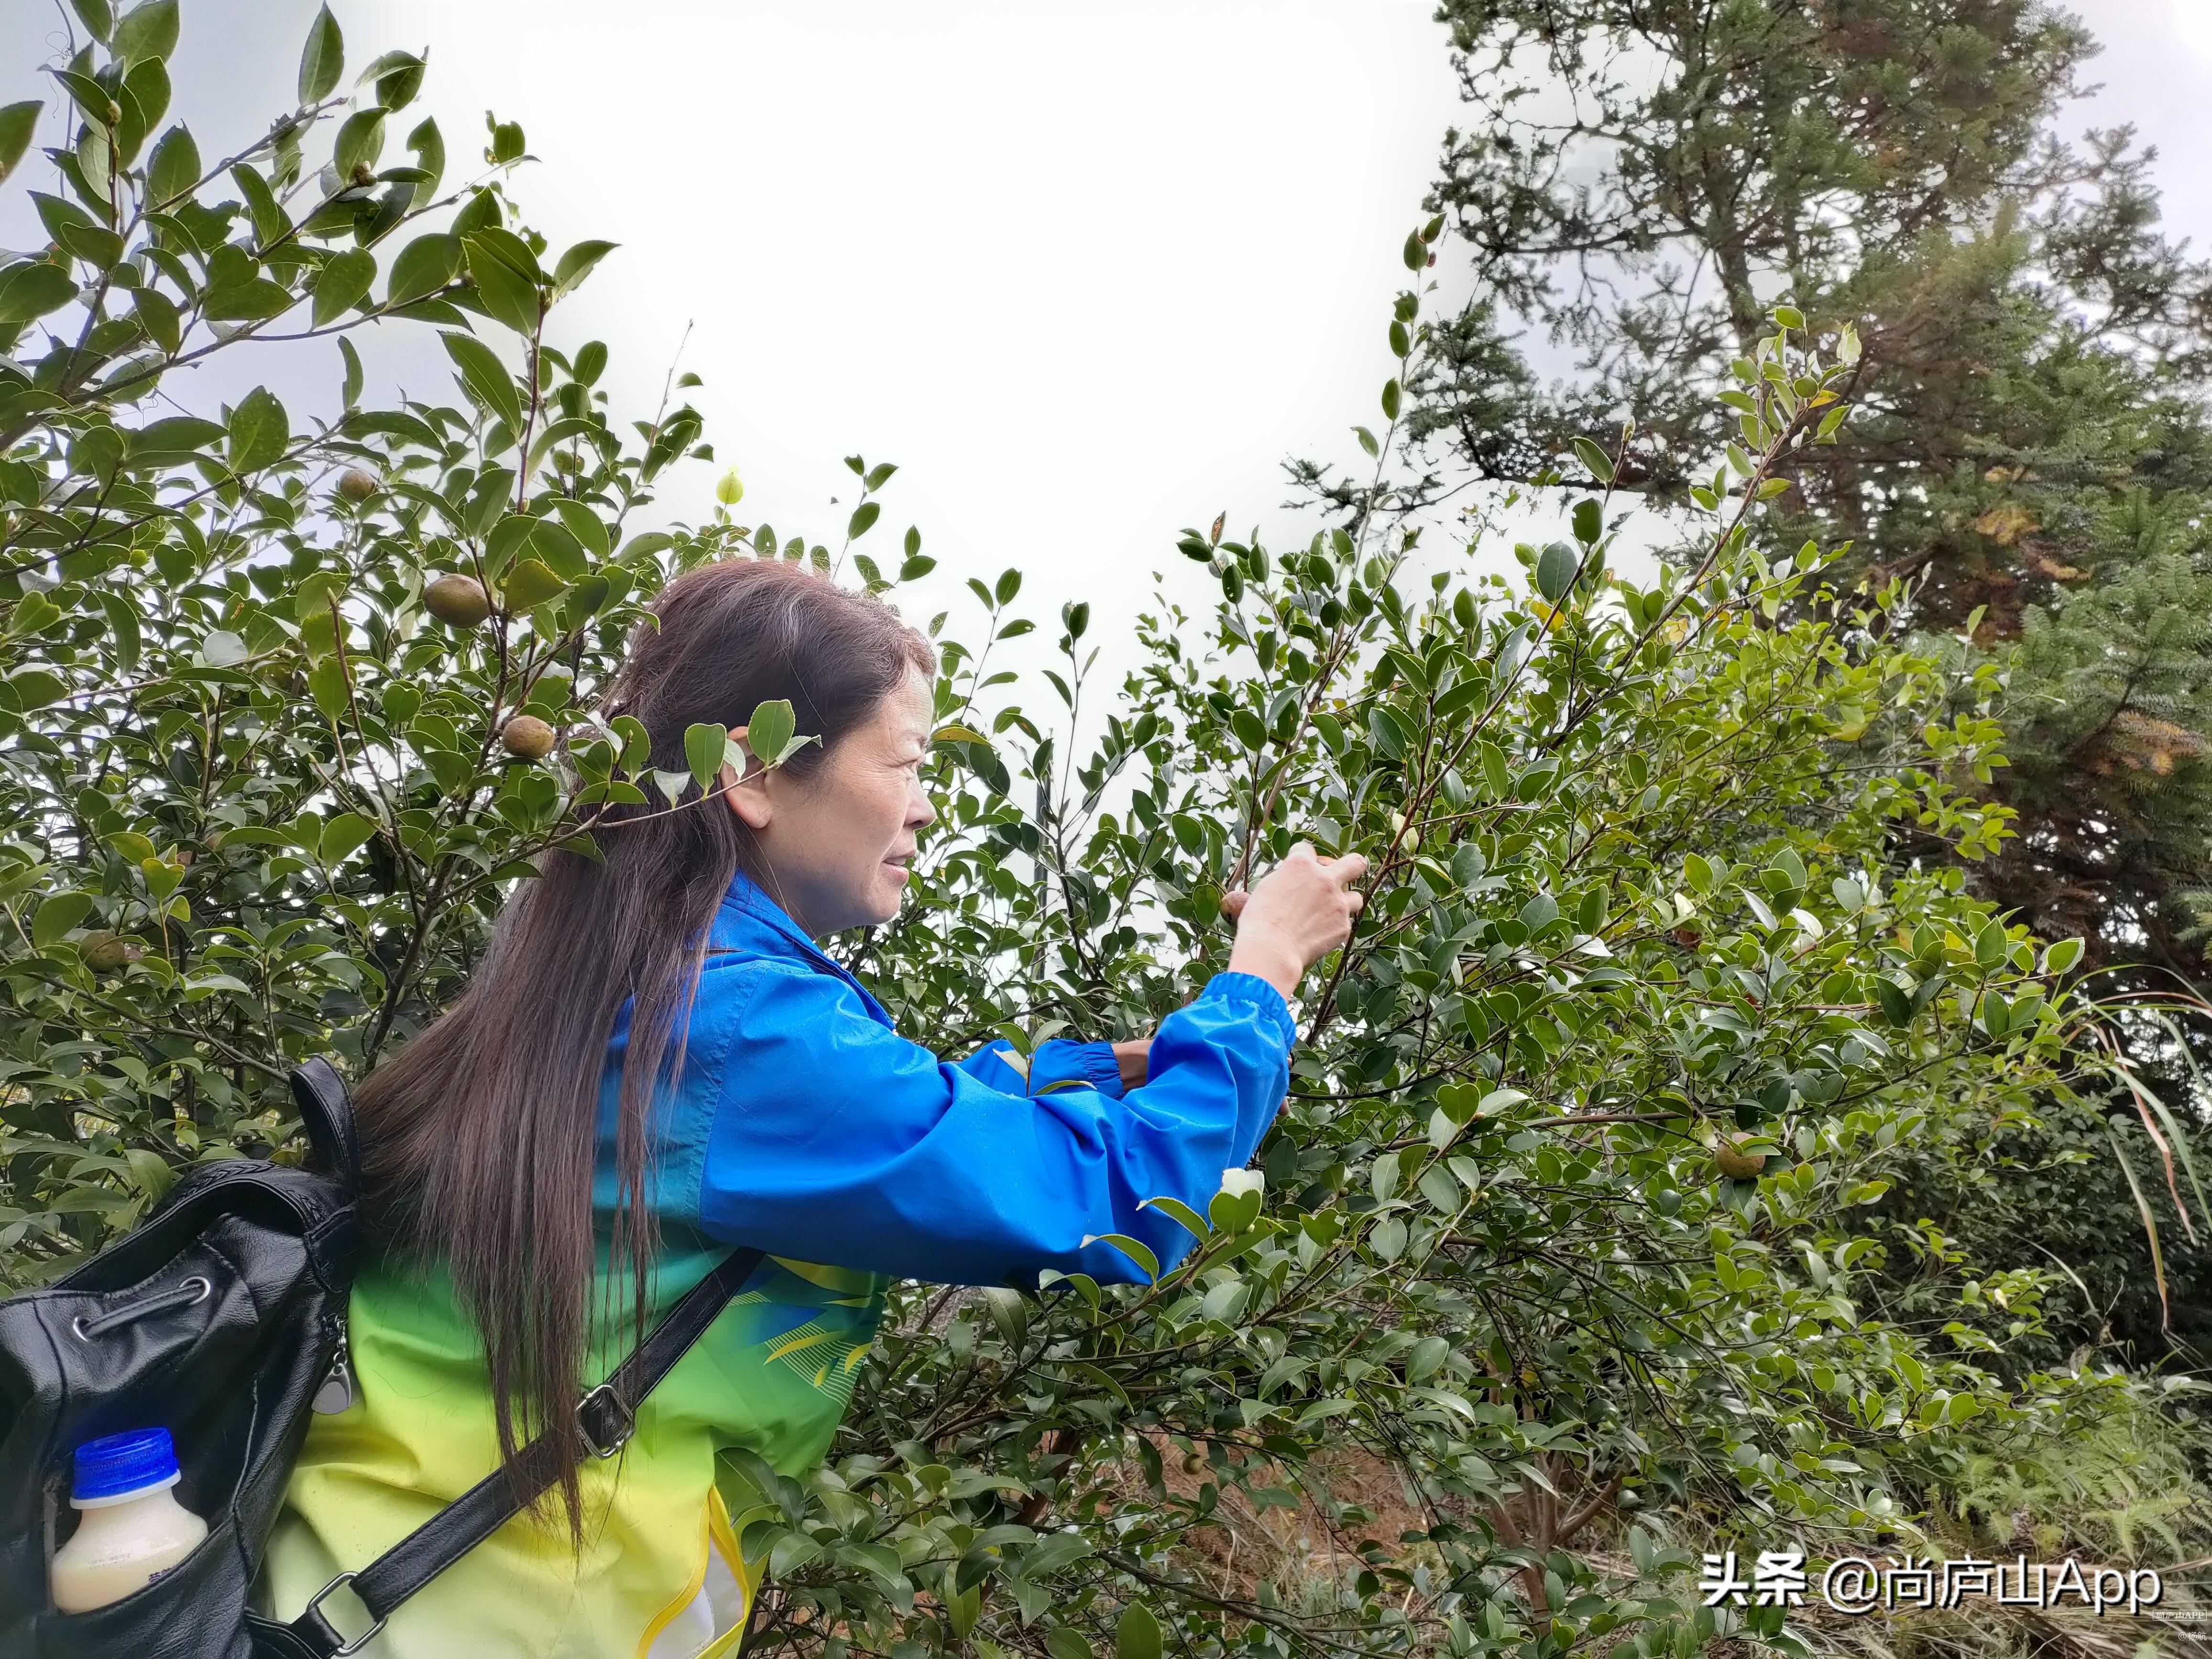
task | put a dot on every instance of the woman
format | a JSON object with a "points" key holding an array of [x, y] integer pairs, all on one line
{"points": [[656, 1062]]}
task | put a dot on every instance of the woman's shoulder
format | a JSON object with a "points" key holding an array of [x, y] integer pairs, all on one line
{"points": [[753, 996]]}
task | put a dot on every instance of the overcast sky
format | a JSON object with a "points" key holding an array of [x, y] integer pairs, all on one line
{"points": [[1087, 272]]}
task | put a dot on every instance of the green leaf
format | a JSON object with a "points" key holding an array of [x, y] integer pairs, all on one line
{"points": [[1185, 1217], [562, 552], [322, 60], [1555, 571], [590, 530], [327, 684], [1896, 1006], [221, 648], [864, 518], [771, 733], [343, 283], [174, 166], [1068, 1643], [509, 295], [424, 265], [1135, 1249], [148, 31], [637, 742], [360, 144], [703, 752], [577, 264], [351, 389], [123, 629], [97, 16], [398, 78], [150, 1172], [343, 837], [89, 95], [1416, 252], [1996, 1012], [485, 377], [55, 916], [144, 98], [529, 585], [31, 289], [259, 430], [428, 146], [1438, 1186], [253, 301], [18, 122], [1137, 1635], [1599, 464]]}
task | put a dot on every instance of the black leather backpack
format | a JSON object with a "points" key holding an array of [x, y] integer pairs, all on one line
{"points": [[219, 1318], [222, 1320]]}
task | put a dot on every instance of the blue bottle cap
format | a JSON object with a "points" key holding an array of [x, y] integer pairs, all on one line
{"points": [[117, 1465]]}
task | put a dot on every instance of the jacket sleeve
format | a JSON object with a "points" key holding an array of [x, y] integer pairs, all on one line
{"points": [[1053, 1065], [836, 1140]]}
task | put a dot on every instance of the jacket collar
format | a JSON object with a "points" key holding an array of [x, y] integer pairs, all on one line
{"points": [[748, 916], [748, 919]]}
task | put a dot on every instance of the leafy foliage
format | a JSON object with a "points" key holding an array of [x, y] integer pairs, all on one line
{"points": [[2031, 449], [1575, 1241]]}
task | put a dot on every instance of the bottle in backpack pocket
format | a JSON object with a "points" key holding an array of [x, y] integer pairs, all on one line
{"points": [[129, 1530]]}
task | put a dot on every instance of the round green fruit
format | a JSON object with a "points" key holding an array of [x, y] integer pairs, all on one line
{"points": [[106, 952], [458, 601], [1730, 1158], [526, 737]]}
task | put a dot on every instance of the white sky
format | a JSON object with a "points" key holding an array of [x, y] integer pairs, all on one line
{"points": [[1087, 272]]}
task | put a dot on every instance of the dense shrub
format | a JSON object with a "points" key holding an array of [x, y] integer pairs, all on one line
{"points": [[1572, 1248]]}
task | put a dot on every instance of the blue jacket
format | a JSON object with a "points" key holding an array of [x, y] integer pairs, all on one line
{"points": [[803, 1123]]}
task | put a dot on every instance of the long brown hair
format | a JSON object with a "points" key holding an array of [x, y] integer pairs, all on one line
{"points": [[479, 1136]]}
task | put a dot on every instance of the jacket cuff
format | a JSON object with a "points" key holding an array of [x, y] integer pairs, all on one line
{"points": [[1250, 991], [1092, 1063]]}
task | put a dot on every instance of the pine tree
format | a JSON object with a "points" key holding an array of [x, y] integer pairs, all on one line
{"points": [[1637, 183]]}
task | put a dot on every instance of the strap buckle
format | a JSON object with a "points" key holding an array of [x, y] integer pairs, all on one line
{"points": [[313, 1611], [603, 1408]]}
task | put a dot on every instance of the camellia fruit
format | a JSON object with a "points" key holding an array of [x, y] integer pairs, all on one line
{"points": [[357, 486], [106, 952], [1730, 1158], [458, 600], [526, 737]]}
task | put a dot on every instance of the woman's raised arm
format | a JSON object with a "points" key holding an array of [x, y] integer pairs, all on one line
{"points": [[837, 1140]]}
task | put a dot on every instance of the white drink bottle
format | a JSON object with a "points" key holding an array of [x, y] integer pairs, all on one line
{"points": [[129, 1530]]}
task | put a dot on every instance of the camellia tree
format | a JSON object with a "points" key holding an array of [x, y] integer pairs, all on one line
{"points": [[1567, 1257]]}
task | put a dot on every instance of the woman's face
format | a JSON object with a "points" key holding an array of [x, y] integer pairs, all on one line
{"points": [[836, 843]]}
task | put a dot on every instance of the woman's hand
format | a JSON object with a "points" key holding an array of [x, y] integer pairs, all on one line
{"points": [[1295, 914]]}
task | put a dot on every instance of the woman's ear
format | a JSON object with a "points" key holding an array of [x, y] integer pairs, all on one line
{"points": [[747, 796]]}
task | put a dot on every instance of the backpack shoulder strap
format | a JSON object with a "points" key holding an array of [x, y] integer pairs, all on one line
{"points": [[608, 1414], [326, 1109]]}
